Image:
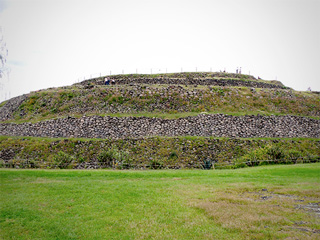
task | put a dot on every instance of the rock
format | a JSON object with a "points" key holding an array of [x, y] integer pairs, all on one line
{"points": [[217, 125]]}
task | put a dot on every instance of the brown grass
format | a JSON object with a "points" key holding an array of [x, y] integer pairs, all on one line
{"points": [[263, 214]]}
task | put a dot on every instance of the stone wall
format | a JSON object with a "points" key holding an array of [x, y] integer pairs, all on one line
{"points": [[184, 81], [217, 125], [11, 106]]}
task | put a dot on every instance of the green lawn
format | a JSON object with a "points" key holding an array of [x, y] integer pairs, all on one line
{"points": [[269, 202]]}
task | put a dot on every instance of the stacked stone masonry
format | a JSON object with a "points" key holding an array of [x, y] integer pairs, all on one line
{"points": [[11, 105], [216, 125], [186, 81]]}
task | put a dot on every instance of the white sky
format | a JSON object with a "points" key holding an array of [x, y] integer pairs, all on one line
{"points": [[57, 42]]}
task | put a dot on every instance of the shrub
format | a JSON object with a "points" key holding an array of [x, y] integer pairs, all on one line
{"points": [[29, 164], [312, 158], [32, 164], [276, 153], [106, 158], [114, 158], [10, 163], [255, 155], [173, 155], [62, 160], [207, 164], [155, 164], [293, 155], [113, 100], [123, 160], [81, 159], [70, 95], [120, 99]]}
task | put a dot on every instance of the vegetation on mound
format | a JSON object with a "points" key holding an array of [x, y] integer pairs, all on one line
{"points": [[192, 74], [186, 75], [182, 75], [3, 103], [165, 100], [154, 152], [270, 202], [189, 78]]}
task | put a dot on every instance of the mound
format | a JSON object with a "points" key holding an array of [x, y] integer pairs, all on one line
{"points": [[165, 105]]}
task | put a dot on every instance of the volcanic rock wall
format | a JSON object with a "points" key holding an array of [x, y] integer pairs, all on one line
{"points": [[185, 81], [217, 125], [11, 106]]}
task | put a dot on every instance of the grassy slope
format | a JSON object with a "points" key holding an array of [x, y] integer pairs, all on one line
{"points": [[166, 102], [224, 204]]}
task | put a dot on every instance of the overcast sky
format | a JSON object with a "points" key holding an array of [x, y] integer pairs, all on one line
{"points": [[57, 42]]}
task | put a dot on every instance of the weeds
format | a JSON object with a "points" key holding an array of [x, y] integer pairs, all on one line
{"points": [[114, 158], [63, 160]]}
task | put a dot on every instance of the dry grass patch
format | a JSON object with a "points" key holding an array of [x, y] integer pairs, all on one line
{"points": [[263, 214]]}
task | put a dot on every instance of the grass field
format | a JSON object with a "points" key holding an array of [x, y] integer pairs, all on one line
{"points": [[269, 202]]}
